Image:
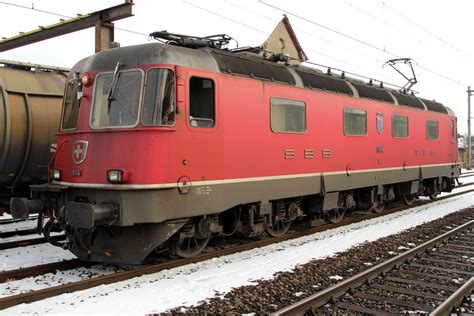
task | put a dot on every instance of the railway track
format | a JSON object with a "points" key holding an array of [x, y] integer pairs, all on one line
{"points": [[12, 220], [18, 274], [19, 232], [28, 242], [121, 276], [418, 280]]}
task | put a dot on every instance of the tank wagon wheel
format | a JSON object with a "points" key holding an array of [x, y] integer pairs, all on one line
{"points": [[335, 215], [409, 199], [189, 243]]}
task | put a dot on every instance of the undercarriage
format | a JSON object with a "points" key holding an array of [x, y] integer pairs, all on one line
{"points": [[97, 224]]}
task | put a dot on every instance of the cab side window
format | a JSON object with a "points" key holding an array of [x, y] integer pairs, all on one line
{"points": [[202, 102]]}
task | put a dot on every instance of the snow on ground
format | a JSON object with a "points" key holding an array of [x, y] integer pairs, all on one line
{"points": [[26, 237], [189, 284], [15, 258], [53, 279], [17, 226]]}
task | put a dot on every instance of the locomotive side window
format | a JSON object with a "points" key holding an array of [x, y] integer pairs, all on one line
{"points": [[116, 99], [72, 104], [159, 103], [432, 132], [202, 102], [355, 122], [399, 126], [287, 116]]}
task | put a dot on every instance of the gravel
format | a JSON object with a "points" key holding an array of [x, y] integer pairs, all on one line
{"points": [[268, 296]]}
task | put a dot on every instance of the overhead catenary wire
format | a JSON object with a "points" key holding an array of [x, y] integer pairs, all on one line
{"points": [[310, 34], [322, 39], [317, 52], [307, 62], [382, 21], [224, 17], [424, 29], [208, 11], [260, 31], [358, 41]]}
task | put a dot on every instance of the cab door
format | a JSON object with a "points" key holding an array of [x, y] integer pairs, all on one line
{"points": [[201, 146]]}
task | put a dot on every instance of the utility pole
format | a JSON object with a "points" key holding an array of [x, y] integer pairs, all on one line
{"points": [[469, 153]]}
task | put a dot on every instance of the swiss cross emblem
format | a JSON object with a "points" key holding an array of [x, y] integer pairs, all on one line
{"points": [[79, 151]]}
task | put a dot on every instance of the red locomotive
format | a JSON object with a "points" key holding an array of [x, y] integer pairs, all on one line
{"points": [[162, 146]]}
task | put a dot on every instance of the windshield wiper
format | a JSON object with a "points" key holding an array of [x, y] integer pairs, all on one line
{"points": [[113, 85]]}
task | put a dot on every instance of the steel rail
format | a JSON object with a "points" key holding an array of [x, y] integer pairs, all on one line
{"points": [[18, 274], [455, 299], [21, 232], [28, 242], [13, 220], [341, 288], [37, 295]]}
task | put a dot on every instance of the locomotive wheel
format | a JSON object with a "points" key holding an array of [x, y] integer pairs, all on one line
{"points": [[335, 215], [379, 206], [279, 228], [434, 195], [409, 199], [188, 247], [189, 242]]}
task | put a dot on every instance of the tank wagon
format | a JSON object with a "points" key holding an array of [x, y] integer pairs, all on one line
{"points": [[30, 107], [162, 146]]}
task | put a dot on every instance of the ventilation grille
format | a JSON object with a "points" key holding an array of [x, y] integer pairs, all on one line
{"points": [[407, 100], [373, 93], [435, 106], [252, 68], [324, 82]]}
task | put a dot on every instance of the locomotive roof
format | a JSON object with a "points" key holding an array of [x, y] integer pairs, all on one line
{"points": [[252, 66]]}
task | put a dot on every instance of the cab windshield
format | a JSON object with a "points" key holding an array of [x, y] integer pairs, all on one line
{"points": [[116, 100], [72, 104]]}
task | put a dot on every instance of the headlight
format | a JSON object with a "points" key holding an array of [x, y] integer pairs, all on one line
{"points": [[55, 174], [86, 79], [117, 176]]}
